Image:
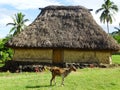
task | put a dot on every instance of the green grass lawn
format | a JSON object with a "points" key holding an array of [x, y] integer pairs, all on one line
{"points": [[83, 79], [116, 59]]}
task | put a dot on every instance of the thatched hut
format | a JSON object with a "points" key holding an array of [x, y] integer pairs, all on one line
{"points": [[62, 34]]}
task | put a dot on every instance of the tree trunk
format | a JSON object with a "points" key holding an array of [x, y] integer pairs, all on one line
{"points": [[108, 27]]}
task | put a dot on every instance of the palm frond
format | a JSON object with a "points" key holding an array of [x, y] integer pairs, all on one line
{"points": [[114, 33], [109, 19], [12, 29], [10, 24], [117, 28], [97, 11], [14, 20], [114, 8], [103, 17], [25, 20]]}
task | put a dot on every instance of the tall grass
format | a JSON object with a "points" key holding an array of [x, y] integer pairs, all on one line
{"points": [[83, 79]]}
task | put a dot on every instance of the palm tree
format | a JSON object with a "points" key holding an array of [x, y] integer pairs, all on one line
{"points": [[18, 23], [108, 9]]}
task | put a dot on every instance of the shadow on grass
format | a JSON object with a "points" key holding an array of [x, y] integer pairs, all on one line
{"points": [[41, 86]]}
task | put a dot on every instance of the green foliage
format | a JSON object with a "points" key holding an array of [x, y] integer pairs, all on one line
{"points": [[5, 53], [116, 32], [117, 38], [108, 9]]}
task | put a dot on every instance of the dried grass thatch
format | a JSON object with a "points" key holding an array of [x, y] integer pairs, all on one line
{"points": [[64, 27]]}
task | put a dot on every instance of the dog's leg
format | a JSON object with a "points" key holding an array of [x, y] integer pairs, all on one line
{"points": [[62, 83], [54, 81], [53, 78]]}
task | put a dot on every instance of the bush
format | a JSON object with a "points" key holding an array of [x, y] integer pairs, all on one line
{"points": [[5, 52], [117, 38]]}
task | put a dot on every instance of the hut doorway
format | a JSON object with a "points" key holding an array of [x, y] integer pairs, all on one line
{"points": [[57, 56]]}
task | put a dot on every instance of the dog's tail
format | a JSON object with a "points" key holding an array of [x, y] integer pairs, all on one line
{"points": [[51, 69]]}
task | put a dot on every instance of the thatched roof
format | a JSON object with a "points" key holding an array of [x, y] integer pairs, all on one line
{"points": [[64, 27]]}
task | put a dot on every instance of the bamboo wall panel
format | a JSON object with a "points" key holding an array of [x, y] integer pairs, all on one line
{"points": [[104, 57], [33, 54], [59, 56], [87, 56]]}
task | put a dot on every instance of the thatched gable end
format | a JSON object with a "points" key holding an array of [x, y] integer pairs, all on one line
{"points": [[64, 27]]}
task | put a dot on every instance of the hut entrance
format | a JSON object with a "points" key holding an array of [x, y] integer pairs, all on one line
{"points": [[57, 56]]}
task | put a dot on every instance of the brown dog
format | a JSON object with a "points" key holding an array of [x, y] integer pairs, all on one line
{"points": [[63, 72]]}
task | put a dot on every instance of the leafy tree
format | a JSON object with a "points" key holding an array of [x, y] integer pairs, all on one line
{"points": [[5, 52], [108, 9], [18, 23]]}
